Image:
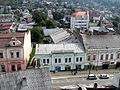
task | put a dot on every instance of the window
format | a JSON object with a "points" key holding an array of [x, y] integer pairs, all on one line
{"points": [[80, 59], [94, 57], [47, 60], [69, 59], [17, 54], [89, 58], [118, 55], [106, 57], [66, 60], [111, 57], [59, 60], [12, 56], [1, 55], [13, 43], [55, 60], [77, 59], [101, 57], [43, 60]]}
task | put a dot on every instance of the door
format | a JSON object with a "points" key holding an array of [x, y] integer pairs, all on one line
{"points": [[19, 67], [3, 68], [13, 68], [67, 68]]}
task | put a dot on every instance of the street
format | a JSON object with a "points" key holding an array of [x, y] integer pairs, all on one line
{"points": [[61, 79]]}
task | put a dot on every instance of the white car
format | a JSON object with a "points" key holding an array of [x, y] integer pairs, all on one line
{"points": [[104, 76], [91, 77]]}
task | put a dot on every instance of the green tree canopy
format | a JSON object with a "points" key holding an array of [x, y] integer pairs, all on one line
{"points": [[58, 15], [39, 18], [50, 24], [36, 34]]}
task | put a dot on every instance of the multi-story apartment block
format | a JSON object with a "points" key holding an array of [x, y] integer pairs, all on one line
{"points": [[15, 49], [80, 20]]}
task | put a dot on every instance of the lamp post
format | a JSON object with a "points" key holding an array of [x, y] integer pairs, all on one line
{"points": [[90, 66]]}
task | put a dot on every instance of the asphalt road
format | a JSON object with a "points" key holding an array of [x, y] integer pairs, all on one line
{"points": [[80, 80]]}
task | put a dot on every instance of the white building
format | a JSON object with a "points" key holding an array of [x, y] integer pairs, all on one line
{"points": [[80, 20], [102, 50], [50, 14]]}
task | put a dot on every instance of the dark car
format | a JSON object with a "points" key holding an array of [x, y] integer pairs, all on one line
{"points": [[104, 76], [91, 77]]}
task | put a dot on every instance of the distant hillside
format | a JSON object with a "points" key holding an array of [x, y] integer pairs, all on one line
{"points": [[13, 3]]}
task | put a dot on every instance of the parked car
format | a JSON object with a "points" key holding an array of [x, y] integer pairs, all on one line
{"points": [[91, 77], [104, 76]]}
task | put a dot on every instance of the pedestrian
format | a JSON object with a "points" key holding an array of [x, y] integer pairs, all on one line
{"points": [[72, 71], [95, 85]]}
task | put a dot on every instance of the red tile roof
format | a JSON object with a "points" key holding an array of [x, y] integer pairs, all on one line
{"points": [[79, 14], [94, 15]]}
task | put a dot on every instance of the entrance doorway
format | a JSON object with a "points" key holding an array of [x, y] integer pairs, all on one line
{"points": [[19, 67], [117, 64], [105, 66], [78, 67], [67, 68], [3, 68], [13, 68]]}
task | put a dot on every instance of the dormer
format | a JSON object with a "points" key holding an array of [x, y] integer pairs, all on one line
{"points": [[14, 42]]}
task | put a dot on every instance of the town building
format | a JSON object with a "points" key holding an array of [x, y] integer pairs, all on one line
{"points": [[80, 20], [15, 49], [102, 50], [7, 18], [30, 79], [63, 36], [50, 14], [60, 56], [8, 27], [116, 80]]}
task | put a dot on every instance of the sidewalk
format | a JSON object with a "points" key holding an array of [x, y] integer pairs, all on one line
{"points": [[83, 74]]}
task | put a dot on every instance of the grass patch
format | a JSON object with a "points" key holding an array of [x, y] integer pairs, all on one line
{"points": [[31, 56]]}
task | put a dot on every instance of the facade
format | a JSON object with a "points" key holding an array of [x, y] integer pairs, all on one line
{"points": [[60, 56], [15, 49], [80, 20], [102, 50]]}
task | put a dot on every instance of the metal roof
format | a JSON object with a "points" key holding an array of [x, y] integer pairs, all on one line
{"points": [[50, 48], [101, 41], [59, 35]]}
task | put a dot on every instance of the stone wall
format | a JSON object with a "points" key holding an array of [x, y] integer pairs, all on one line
{"points": [[32, 79]]}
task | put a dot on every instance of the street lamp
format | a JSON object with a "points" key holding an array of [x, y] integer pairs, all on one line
{"points": [[90, 66]]}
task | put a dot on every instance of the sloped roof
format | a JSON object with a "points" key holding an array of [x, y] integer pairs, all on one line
{"points": [[79, 14], [59, 35], [101, 41], [49, 48], [6, 38]]}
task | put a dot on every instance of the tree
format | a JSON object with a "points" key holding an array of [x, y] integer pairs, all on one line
{"points": [[39, 18], [36, 34], [50, 24], [58, 15]]}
